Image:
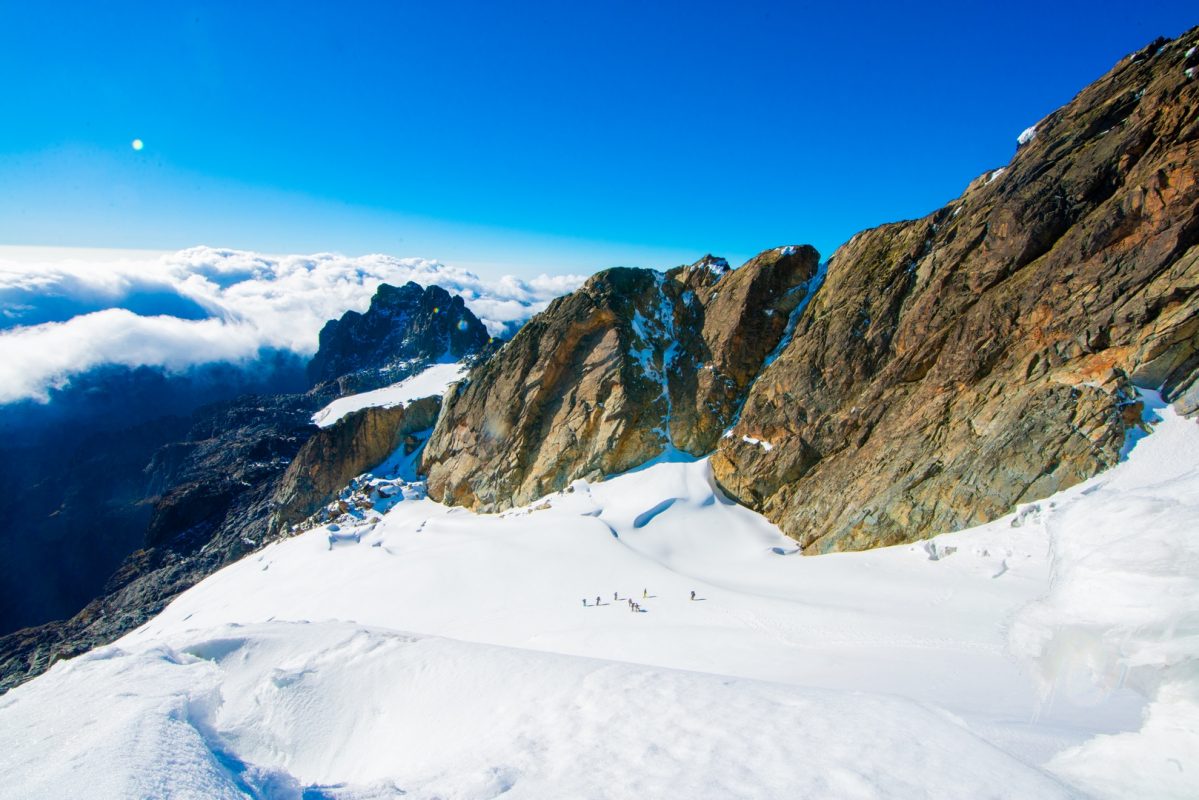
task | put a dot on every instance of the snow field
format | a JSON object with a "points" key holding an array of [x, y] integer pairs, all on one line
{"points": [[338, 710], [446, 654]]}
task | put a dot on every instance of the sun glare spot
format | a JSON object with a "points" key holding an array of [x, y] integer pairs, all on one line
{"points": [[137, 144]]}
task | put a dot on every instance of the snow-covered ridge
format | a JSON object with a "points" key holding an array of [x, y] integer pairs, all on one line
{"points": [[442, 653], [433, 380]]}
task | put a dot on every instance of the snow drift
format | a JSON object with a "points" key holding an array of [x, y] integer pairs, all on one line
{"points": [[433, 652]]}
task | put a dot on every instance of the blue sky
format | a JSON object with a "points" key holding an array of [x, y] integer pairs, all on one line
{"points": [[559, 136]]}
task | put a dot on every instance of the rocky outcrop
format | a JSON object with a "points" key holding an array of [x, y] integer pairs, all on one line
{"points": [[335, 455], [949, 368], [984, 355], [726, 332], [610, 375], [404, 330]]}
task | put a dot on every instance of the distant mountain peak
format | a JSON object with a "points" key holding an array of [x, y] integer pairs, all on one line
{"points": [[406, 328]]}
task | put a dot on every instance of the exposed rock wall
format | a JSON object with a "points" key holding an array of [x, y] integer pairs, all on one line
{"points": [[333, 456], [982, 356], [610, 375], [949, 367]]}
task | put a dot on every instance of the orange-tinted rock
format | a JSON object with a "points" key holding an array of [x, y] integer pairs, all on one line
{"points": [[610, 375], [982, 356]]}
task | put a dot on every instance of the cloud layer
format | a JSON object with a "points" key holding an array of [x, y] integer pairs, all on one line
{"points": [[203, 304]]}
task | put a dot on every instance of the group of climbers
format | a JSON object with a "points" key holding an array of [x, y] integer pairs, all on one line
{"points": [[636, 607]]}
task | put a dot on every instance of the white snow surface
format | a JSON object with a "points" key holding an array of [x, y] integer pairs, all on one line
{"points": [[433, 380], [1027, 135], [1052, 653]]}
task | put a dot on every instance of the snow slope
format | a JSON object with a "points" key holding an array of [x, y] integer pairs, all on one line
{"points": [[433, 380], [440, 653]]}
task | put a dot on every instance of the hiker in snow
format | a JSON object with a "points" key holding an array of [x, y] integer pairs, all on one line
{"points": [[584, 602], [692, 594], [597, 600], [644, 594], [615, 596]]}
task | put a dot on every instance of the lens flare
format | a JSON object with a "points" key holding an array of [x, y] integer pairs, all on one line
{"points": [[137, 144]]}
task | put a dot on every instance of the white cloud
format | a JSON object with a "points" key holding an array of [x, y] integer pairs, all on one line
{"points": [[205, 304]]}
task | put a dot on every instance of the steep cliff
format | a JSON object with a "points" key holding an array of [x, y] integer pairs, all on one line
{"points": [[611, 375], [946, 369], [333, 456], [983, 356], [216, 491]]}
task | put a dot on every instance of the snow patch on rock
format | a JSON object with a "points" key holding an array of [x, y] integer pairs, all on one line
{"points": [[434, 380]]}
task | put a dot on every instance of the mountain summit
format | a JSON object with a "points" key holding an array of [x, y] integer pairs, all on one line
{"points": [[405, 329], [946, 368], [632, 363]]}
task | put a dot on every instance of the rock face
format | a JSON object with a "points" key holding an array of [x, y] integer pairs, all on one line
{"points": [[404, 330], [610, 375], [984, 355], [948, 367], [333, 456]]}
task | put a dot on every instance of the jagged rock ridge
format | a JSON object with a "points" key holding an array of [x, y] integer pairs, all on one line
{"points": [[949, 368], [334, 455], [984, 356], [404, 330], [610, 375]]}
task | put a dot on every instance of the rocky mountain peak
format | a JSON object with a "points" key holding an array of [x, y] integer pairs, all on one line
{"points": [[406, 328], [705, 272], [986, 354], [931, 375], [633, 362]]}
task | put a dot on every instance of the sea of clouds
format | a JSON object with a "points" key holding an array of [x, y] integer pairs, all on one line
{"points": [[204, 305]]}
